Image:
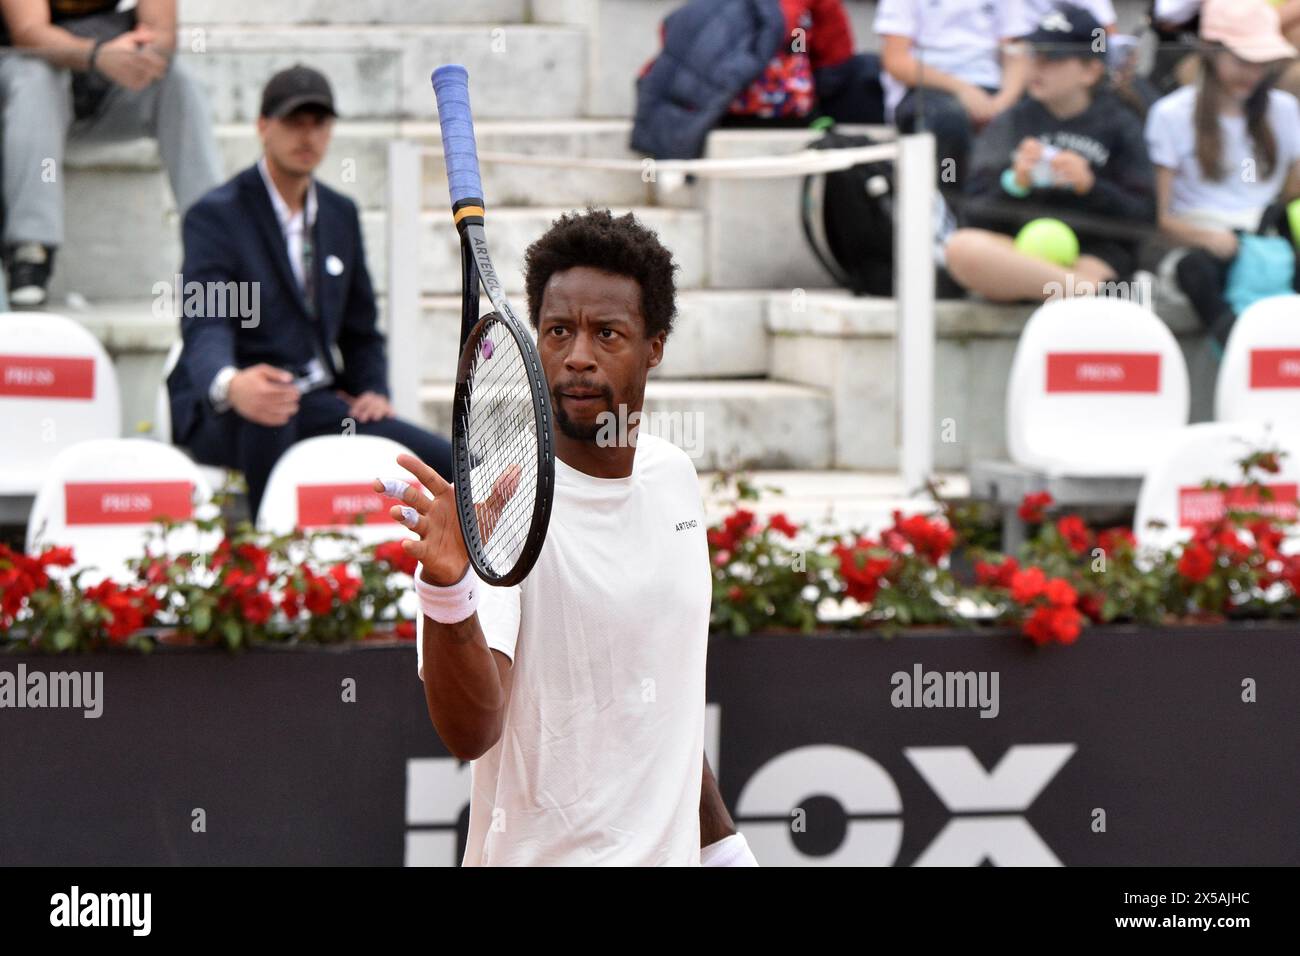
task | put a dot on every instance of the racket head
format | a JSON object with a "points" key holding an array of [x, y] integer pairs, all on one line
{"points": [[503, 450]]}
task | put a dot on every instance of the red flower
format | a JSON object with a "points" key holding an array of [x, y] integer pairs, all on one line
{"points": [[996, 575], [1032, 505], [60, 557], [1076, 534], [346, 585], [291, 602], [739, 523], [929, 539], [782, 524], [735, 593], [1116, 539], [1053, 623], [1027, 585], [1059, 593], [1092, 605], [862, 573], [1267, 538], [394, 555], [1196, 562], [720, 540], [319, 597], [406, 630], [128, 608]]}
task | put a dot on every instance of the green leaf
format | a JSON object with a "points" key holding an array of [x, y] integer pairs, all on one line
{"points": [[64, 640], [202, 619]]}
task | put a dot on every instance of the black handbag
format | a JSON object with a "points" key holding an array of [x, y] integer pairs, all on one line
{"points": [[89, 87]]}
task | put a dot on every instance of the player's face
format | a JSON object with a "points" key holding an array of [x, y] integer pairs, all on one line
{"points": [[592, 341], [296, 144]]}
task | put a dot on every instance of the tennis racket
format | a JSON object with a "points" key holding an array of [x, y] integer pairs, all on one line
{"points": [[503, 444]]}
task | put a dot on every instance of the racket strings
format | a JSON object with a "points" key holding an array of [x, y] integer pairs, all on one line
{"points": [[500, 428]]}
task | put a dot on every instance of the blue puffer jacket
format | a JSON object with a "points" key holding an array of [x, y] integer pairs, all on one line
{"points": [[713, 50]]}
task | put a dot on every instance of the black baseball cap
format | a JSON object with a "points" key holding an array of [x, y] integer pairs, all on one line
{"points": [[1066, 31], [294, 88]]}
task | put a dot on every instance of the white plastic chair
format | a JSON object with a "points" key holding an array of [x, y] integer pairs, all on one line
{"points": [[1259, 377], [1173, 501], [324, 483], [1096, 387], [57, 388], [102, 498]]}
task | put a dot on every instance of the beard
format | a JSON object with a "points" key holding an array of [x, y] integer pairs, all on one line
{"points": [[579, 431]]}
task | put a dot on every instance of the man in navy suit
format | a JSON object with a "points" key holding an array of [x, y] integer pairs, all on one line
{"points": [[252, 381]]}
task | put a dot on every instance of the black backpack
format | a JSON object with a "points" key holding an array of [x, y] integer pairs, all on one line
{"points": [[849, 220]]}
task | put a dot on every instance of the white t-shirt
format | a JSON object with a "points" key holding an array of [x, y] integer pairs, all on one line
{"points": [[1237, 200], [1026, 14], [602, 749], [958, 37]]}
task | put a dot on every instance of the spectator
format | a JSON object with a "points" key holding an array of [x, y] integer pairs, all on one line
{"points": [[751, 62], [125, 83], [1224, 150], [247, 387], [1074, 157], [816, 71], [1027, 14], [947, 70], [1176, 23]]}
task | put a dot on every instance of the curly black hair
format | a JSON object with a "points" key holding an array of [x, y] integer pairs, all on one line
{"points": [[621, 245]]}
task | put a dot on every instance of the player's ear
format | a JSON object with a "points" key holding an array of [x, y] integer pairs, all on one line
{"points": [[657, 348]]}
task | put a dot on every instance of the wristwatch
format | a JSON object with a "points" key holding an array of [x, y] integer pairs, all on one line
{"points": [[219, 390]]}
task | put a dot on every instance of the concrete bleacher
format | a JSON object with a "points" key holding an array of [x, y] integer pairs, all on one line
{"points": [[787, 372]]}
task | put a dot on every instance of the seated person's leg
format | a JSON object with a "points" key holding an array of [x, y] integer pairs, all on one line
{"points": [[182, 124], [1203, 277], [229, 441], [989, 264], [850, 92], [940, 113], [37, 105]]}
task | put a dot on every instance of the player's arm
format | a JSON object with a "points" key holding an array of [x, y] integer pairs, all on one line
{"points": [[465, 682], [720, 843], [715, 822]]}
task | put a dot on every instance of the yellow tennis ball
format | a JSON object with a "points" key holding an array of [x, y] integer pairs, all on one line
{"points": [[1293, 218], [1050, 240]]}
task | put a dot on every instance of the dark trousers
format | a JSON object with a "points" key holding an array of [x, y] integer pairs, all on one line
{"points": [[850, 92], [934, 111], [1203, 277], [230, 441]]}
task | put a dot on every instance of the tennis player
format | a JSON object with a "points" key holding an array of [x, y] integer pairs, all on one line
{"points": [[578, 695]]}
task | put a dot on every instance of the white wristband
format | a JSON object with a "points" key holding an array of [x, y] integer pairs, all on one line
{"points": [[730, 851], [448, 605]]}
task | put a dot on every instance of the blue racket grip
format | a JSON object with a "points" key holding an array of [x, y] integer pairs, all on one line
{"points": [[451, 87]]}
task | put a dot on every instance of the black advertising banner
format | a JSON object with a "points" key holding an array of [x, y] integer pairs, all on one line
{"points": [[1152, 747]]}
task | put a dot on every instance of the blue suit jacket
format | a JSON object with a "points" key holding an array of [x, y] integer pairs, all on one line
{"points": [[232, 235]]}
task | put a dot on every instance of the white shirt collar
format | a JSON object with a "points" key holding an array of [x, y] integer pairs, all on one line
{"points": [[281, 207]]}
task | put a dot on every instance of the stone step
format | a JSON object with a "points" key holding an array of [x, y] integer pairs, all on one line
{"points": [[510, 232], [847, 346], [716, 335], [721, 425], [312, 12], [121, 249], [357, 162], [836, 502], [382, 72]]}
